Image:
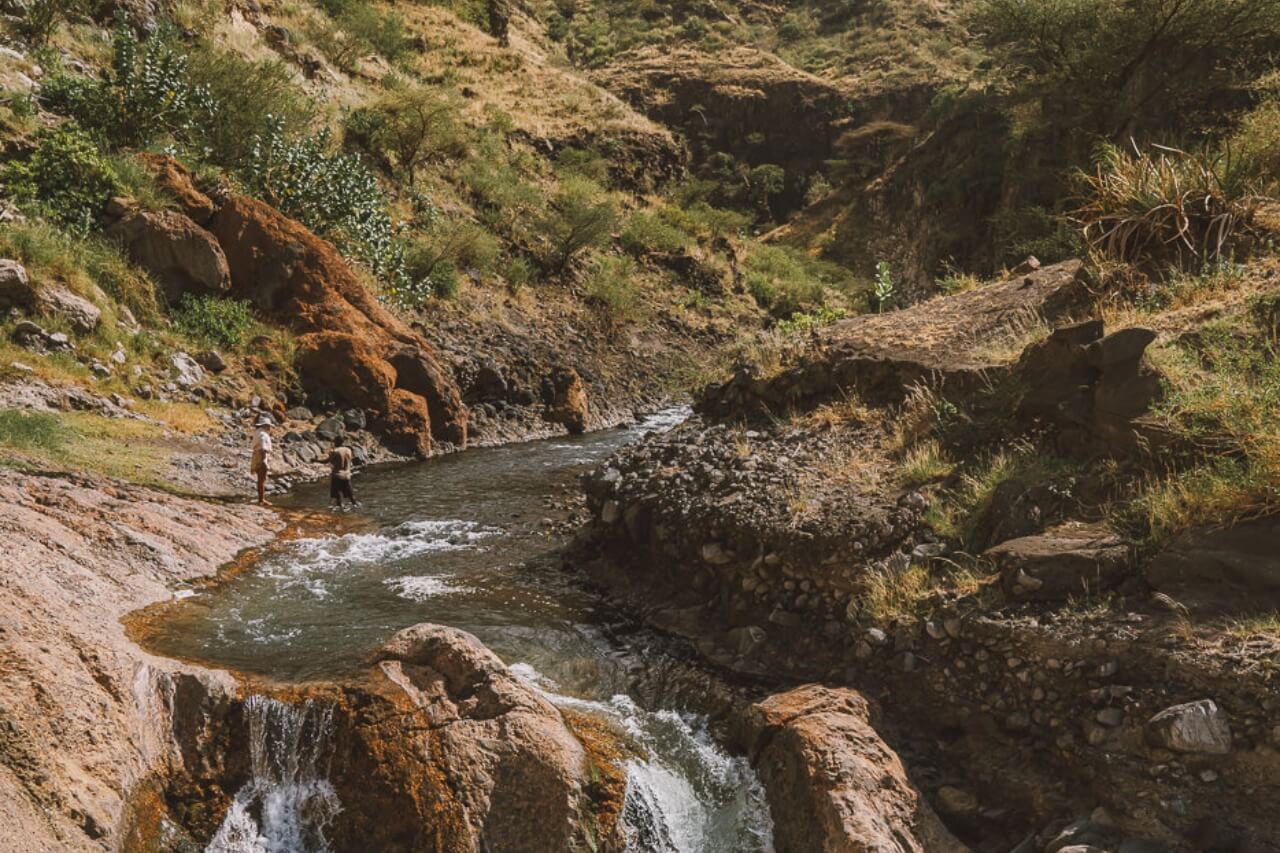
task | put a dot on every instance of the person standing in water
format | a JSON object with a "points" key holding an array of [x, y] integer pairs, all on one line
{"points": [[261, 450], [340, 460]]}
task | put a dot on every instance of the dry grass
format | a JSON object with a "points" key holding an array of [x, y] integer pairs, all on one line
{"points": [[1021, 330], [890, 593], [184, 418], [1264, 625], [845, 412], [1172, 208], [124, 449], [925, 462]]}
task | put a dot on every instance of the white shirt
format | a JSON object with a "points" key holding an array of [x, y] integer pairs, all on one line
{"points": [[262, 443]]}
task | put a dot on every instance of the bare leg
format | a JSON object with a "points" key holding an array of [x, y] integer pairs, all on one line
{"points": [[262, 485]]}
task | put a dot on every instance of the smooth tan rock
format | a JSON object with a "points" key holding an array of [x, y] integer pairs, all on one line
{"points": [[834, 786]]}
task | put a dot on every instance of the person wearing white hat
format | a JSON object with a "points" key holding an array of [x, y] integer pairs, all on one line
{"points": [[261, 450]]}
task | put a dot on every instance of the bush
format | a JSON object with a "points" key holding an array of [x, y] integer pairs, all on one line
{"points": [[609, 285], [37, 19], [247, 100], [407, 128], [147, 94], [218, 321], [428, 273], [653, 231], [66, 178], [363, 29], [332, 193], [580, 217], [782, 282], [1169, 208]]}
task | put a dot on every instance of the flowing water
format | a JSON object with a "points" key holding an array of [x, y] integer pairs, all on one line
{"points": [[460, 540]]}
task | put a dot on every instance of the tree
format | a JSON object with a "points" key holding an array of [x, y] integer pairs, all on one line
{"points": [[581, 217], [1123, 68], [407, 128]]}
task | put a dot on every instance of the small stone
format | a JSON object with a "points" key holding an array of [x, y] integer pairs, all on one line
{"points": [[21, 367], [1110, 716], [876, 637], [610, 512], [1196, 727], [1208, 776], [953, 626], [955, 802]]}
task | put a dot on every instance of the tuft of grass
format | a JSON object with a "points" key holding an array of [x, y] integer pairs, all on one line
{"points": [[185, 418], [1265, 624], [926, 462], [1168, 207], [890, 593]]}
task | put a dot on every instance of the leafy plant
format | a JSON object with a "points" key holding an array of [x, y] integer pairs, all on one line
{"points": [[610, 285], [652, 231], [882, 288], [66, 177], [147, 94], [580, 217], [218, 321], [1171, 207]]}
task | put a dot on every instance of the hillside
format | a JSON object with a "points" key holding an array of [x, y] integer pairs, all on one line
{"points": [[965, 544]]}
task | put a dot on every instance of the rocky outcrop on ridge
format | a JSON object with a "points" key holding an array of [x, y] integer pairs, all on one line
{"points": [[954, 343], [85, 715]]}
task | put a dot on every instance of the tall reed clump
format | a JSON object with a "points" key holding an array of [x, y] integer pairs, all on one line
{"points": [[1169, 208]]}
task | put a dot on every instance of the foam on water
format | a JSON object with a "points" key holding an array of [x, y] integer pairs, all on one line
{"points": [[423, 587]]}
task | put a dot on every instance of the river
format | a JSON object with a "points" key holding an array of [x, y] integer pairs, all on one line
{"points": [[460, 540]]}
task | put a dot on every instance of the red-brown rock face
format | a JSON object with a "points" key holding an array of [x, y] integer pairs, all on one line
{"points": [[349, 344]]}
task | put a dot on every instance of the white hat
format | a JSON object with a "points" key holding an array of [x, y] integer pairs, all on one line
{"points": [[264, 420]]}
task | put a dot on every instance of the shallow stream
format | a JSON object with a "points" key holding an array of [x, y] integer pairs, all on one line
{"points": [[460, 540]]}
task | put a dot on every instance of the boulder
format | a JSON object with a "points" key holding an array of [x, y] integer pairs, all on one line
{"points": [[176, 182], [349, 344], [1222, 569], [1194, 727], [331, 428], [566, 398], [211, 360], [15, 285], [446, 750], [182, 256], [50, 300], [56, 301], [833, 785], [186, 370], [1069, 559], [489, 383], [1093, 388]]}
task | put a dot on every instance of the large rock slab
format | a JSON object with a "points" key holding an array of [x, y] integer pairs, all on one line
{"points": [[1069, 559], [349, 345], [446, 750], [833, 785], [183, 257], [1222, 569], [955, 343], [51, 300]]}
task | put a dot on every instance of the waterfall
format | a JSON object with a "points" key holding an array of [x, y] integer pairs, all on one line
{"points": [[288, 801]]}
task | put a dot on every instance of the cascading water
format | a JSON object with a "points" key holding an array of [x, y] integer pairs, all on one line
{"points": [[459, 541], [288, 801]]}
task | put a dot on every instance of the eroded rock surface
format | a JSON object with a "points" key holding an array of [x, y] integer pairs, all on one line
{"points": [[1229, 569], [446, 750], [349, 345], [834, 786], [84, 713]]}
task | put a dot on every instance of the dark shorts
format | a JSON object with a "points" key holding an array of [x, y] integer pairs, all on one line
{"points": [[340, 488]]}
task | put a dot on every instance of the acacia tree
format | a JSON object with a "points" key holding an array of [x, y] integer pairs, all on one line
{"points": [[1123, 68], [407, 128], [581, 217]]}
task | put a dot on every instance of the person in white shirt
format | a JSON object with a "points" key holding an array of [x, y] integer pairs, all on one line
{"points": [[261, 450]]}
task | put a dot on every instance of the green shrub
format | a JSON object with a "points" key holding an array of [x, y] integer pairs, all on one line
{"points": [[363, 29], [66, 178], [332, 193], [781, 281], [218, 321], [1169, 207], [38, 19], [609, 285], [581, 216], [407, 128], [518, 273], [652, 231], [428, 273], [1032, 230], [247, 99], [882, 287], [147, 94]]}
